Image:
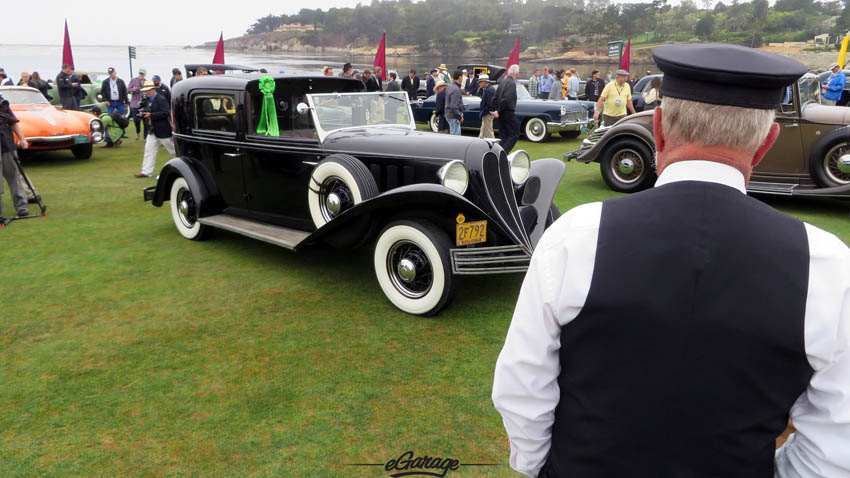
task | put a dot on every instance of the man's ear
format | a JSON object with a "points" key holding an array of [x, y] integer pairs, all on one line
{"points": [[765, 146], [657, 130]]}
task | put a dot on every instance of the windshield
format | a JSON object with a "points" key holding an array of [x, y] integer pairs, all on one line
{"points": [[522, 93], [809, 89], [347, 110], [23, 97]]}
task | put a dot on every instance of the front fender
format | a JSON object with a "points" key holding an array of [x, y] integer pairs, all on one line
{"points": [[594, 154], [364, 220], [200, 182]]}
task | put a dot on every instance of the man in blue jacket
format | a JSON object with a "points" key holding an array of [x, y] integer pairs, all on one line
{"points": [[834, 85], [488, 106]]}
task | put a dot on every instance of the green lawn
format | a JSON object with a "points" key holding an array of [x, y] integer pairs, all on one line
{"points": [[126, 350]]}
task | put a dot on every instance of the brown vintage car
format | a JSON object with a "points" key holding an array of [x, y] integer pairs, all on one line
{"points": [[810, 157]]}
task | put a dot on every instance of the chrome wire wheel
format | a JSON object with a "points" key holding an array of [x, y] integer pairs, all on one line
{"points": [[334, 197], [835, 169], [409, 269], [628, 166]]}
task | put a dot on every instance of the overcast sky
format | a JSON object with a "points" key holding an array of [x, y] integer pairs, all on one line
{"points": [[169, 22]]}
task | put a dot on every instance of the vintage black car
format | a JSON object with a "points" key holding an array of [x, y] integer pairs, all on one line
{"points": [[348, 168], [809, 158], [538, 119]]}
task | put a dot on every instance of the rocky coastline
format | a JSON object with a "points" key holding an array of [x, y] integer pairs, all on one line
{"points": [[286, 42]]}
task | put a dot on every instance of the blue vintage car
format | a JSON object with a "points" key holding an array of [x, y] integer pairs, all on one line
{"points": [[538, 118]]}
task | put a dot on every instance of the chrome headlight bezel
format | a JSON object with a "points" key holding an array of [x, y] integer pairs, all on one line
{"points": [[95, 125], [563, 110], [96, 137], [454, 175], [519, 162]]}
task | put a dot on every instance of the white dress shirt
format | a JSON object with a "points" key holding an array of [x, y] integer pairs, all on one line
{"points": [[113, 90], [525, 386]]}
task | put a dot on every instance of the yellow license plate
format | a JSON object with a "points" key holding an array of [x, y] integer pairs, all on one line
{"points": [[471, 233]]}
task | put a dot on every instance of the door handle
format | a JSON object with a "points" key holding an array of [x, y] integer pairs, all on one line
{"points": [[233, 155], [792, 125]]}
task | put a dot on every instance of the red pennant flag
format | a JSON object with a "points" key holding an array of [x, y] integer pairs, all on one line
{"points": [[381, 57], [67, 56], [218, 58], [514, 58], [624, 64]]}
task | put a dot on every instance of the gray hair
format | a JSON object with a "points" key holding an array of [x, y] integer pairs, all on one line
{"points": [[513, 70], [685, 121]]}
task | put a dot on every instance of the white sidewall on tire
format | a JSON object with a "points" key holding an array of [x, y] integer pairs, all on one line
{"points": [[320, 173], [187, 232], [430, 300], [434, 123], [529, 136]]}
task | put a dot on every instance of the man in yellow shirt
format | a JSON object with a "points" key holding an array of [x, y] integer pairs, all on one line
{"points": [[616, 97]]}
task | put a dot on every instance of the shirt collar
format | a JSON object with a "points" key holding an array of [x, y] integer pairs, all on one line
{"points": [[700, 170]]}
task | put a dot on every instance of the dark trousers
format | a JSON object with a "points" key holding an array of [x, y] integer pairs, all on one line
{"points": [[508, 130], [134, 112]]}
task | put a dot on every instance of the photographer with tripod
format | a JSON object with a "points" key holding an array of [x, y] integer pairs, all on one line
{"points": [[8, 166]]}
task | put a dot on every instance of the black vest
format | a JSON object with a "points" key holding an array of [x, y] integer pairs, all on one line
{"points": [[689, 351]]}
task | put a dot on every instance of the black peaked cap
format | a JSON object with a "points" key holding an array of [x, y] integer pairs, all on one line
{"points": [[723, 74]]}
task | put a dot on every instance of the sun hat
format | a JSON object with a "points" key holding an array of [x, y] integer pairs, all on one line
{"points": [[148, 85], [622, 73], [484, 77], [833, 65], [443, 66], [439, 84]]}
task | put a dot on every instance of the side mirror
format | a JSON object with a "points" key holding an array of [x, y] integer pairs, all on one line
{"points": [[302, 109]]}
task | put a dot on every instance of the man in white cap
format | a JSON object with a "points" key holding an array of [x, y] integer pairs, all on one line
{"points": [[160, 134], [488, 106], [615, 99], [833, 87]]}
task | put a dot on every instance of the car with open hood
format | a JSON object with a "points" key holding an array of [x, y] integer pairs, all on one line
{"points": [[300, 161], [809, 158], [538, 119], [49, 128]]}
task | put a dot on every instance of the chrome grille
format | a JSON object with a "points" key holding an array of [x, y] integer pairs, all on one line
{"points": [[574, 117]]}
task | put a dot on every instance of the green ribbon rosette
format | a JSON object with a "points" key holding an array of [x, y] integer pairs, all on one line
{"points": [[268, 115]]}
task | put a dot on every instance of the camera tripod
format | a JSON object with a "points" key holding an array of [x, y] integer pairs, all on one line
{"points": [[4, 221]]}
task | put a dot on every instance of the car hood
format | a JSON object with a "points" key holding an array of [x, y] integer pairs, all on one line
{"points": [[44, 120], [387, 140], [826, 114]]}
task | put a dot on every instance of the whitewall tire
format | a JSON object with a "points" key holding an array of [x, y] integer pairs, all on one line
{"points": [[412, 266], [184, 212], [338, 183], [434, 123], [536, 130]]}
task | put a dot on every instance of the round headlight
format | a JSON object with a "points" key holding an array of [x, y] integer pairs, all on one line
{"points": [[520, 164], [97, 137], [95, 124], [563, 110], [454, 176]]}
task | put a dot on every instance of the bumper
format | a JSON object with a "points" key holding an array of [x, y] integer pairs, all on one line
{"points": [[586, 145], [556, 127], [489, 260], [147, 193]]}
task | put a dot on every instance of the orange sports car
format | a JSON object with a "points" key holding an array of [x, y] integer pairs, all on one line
{"points": [[47, 127]]}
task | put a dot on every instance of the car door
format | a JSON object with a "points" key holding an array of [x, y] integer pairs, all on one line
{"points": [[277, 168], [785, 157], [216, 125]]}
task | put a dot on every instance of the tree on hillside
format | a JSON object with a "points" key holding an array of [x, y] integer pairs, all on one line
{"points": [[759, 19], [266, 24], [705, 25], [843, 22]]}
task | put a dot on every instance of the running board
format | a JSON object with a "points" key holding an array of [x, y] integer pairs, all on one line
{"points": [[785, 189], [279, 236]]}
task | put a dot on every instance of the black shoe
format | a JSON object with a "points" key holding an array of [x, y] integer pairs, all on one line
{"points": [[34, 200], [23, 212]]}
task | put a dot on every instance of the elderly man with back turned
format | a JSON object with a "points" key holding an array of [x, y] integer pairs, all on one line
{"points": [[672, 332], [505, 108]]}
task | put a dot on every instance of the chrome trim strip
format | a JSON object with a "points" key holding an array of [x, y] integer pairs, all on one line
{"points": [[54, 139]]}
